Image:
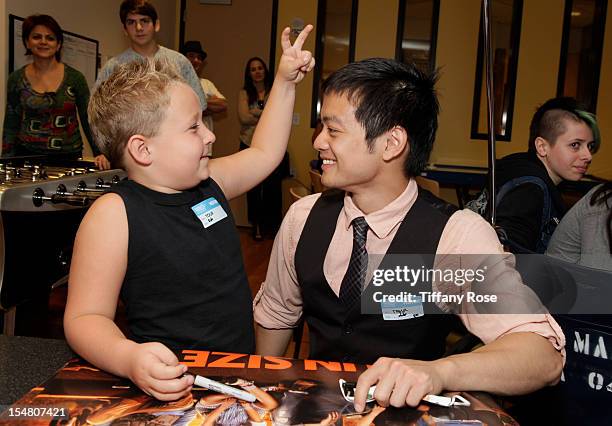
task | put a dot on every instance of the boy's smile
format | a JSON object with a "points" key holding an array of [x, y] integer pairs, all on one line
{"points": [[180, 151]]}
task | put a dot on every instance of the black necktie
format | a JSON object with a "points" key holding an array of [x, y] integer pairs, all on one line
{"points": [[353, 281]]}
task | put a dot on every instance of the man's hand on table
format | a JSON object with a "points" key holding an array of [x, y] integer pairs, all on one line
{"points": [[156, 370], [399, 382]]}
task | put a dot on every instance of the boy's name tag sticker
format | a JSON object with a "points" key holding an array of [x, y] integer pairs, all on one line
{"points": [[397, 311], [209, 211]]}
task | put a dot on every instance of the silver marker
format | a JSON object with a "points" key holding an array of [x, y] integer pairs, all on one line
{"points": [[224, 389]]}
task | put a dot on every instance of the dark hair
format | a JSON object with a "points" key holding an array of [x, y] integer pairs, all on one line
{"points": [[388, 93], [548, 121], [46, 21], [249, 86], [603, 195], [139, 7]]}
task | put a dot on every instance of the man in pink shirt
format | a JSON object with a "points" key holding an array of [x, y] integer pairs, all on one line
{"points": [[379, 122]]}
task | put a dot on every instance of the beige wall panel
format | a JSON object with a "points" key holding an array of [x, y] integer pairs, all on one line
{"points": [[538, 67], [456, 58], [376, 29]]}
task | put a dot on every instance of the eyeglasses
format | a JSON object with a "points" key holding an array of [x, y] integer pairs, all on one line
{"points": [[348, 392]]}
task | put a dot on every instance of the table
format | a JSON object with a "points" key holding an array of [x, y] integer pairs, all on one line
{"points": [[26, 362], [462, 178]]}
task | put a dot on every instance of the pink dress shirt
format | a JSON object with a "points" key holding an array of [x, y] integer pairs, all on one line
{"points": [[278, 304]]}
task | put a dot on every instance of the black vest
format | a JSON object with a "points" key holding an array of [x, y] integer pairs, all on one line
{"points": [[350, 336]]}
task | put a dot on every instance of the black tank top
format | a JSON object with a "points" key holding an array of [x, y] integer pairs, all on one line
{"points": [[185, 285]]}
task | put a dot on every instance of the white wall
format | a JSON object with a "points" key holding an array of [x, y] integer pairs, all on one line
{"points": [[91, 18]]}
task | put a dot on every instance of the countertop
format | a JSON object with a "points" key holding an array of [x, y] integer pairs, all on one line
{"points": [[26, 362]]}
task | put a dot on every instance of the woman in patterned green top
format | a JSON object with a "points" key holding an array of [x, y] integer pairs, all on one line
{"points": [[43, 98]]}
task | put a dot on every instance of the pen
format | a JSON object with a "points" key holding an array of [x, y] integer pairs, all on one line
{"points": [[224, 389]]}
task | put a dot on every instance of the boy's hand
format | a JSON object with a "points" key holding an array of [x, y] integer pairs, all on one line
{"points": [[156, 370], [295, 62]]}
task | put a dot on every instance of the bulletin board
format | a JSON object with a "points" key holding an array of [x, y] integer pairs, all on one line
{"points": [[78, 51]]}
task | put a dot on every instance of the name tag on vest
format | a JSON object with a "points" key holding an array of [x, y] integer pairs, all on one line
{"points": [[209, 212], [397, 311]]}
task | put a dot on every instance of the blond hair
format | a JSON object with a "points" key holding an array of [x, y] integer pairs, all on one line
{"points": [[132, 101]]}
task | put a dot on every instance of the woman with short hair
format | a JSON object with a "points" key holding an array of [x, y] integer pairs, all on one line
{"points": [[43, 98]]}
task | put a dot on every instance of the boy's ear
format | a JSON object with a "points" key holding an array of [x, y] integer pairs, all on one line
{"points": [[138, 149], [541, 146], [157, 25], [396, 143]]}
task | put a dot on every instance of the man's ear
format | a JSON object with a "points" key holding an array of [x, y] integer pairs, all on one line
{"points": [[541, 146], [157, 25], [396, 143], [138, 149]]}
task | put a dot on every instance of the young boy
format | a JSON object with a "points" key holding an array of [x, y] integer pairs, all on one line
{"points": [[562, 139], [165, 240]]}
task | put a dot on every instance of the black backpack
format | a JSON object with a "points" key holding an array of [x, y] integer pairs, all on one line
{"points": [[549, 220]]}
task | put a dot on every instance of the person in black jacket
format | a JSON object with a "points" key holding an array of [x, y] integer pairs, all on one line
{"points": [[562, 140]]}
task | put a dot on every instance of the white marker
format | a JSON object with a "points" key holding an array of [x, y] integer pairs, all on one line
{"points": [[224, 389], [348, 392]]}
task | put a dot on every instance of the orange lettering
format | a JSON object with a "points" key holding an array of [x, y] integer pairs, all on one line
{"points": [[195, 358], [225, 361], [277, 363], [254, 361], [310, 364], [349, 366]]}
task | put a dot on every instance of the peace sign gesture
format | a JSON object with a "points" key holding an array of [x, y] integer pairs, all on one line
{"points": [[295, 62]]}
